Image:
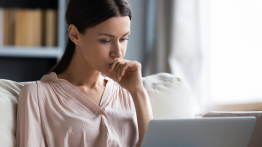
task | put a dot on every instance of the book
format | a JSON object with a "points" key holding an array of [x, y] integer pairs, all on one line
{"points": [[12, 27], [29, 36], [18, 27], [1, 27], [51, 27], [38, 27], [8, 27], [30, 27]]}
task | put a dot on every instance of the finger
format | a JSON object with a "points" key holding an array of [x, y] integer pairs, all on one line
{"points": [[124, 69], [119, 71], [134, 65], [118, 66], [122, 72], [113, 66]]}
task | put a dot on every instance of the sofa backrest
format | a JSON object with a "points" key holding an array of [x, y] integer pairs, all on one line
{"points": [[170, 97]]}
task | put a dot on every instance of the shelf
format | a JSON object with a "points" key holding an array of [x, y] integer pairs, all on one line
{"points": [[31, 52], [43, 4], [23, 63], [40, 52]]}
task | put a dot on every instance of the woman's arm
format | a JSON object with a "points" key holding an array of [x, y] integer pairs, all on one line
{"points": [[128, 75], [143, 111], [29, 131]]}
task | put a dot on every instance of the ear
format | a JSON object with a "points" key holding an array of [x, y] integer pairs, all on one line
{"points": [[73, 33]]}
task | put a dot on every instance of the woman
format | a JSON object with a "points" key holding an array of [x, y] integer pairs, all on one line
{"points": [[73, 105]]}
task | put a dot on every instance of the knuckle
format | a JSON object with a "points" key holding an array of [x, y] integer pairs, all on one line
{"points": [[139, 64], [136, 62]]}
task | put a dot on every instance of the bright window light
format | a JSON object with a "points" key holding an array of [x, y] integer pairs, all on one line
{"points": [[235, 31]]}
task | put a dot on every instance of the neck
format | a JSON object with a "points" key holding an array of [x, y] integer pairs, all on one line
{"points": [[80, 74]]}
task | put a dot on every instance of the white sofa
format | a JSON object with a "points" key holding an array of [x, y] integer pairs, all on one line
{"points": [[170, 97]]}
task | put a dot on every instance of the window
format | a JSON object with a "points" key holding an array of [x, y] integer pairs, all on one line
{"points": [[235, 35]]}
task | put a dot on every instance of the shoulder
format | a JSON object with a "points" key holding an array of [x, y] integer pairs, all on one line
{"points": [[29, 88], [33, 86], [29, 91]]}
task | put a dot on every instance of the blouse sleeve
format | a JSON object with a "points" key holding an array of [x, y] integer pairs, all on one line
{"points": [[29, 131]]}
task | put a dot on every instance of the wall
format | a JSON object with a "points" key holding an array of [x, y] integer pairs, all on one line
{"points": [[136, 41]]}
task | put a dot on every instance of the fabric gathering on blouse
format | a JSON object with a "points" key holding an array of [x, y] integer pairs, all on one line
{"points": [[53, 112]]}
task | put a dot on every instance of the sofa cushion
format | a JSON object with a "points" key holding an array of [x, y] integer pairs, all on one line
{"points": [[255, 140], [9, 91], [170, 96]]}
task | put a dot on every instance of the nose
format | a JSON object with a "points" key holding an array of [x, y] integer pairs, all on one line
{"points": [[116, 51]]}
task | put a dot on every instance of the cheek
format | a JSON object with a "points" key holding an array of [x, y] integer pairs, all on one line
{"points": [[95, 53], [93, 49], [123, 50]]}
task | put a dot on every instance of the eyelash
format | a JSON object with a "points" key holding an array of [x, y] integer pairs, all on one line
{"points": [[104, 41]]}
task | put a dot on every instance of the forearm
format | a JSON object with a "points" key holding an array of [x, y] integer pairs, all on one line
{"points": [[143, 111]]}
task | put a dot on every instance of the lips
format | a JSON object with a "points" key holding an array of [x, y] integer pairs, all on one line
{"points": [[111, 63]]}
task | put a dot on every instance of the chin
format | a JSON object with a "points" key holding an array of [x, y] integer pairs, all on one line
{"points": [[104, 71]]}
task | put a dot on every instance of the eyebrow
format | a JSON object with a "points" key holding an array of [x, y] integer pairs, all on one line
{"points": [[105, 34]]}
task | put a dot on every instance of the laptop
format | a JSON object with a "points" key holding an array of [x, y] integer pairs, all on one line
{"points": [[199, 132]]}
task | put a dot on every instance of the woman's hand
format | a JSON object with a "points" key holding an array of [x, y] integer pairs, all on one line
{"points": [[127, 74]]}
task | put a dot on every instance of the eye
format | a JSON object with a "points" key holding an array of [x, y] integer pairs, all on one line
{"points": [[123, 39], [105, 41]]}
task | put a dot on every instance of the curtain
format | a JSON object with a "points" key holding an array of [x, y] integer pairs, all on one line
{"points": [[158, 26], [176, 42]]}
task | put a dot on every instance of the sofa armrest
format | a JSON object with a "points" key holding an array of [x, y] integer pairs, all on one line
{"points": [[255, 140], [9, 91]]}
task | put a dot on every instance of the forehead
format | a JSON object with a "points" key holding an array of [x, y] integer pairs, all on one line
{"points": [[113, 25]]}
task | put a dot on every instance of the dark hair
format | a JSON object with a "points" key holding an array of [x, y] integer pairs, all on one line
{"points": [[85, 14]]}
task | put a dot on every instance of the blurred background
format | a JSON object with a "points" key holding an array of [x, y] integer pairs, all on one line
{"points": [[214, 45]]}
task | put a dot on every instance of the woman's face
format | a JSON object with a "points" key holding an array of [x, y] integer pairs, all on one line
{"points": [[102, 44]]}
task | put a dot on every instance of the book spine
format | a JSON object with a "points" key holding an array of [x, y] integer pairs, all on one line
{"points": [[51, 27], [1, 27], [18, 27], [6, 15], [12, 27], [28, 27], [38, 27]]}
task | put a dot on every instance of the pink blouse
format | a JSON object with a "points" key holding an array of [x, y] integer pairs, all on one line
{"points": [[54, 113]]}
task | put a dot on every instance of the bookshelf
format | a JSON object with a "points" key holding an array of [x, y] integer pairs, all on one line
{"points": [[30, 62], [41, 51], [27, 52]]}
